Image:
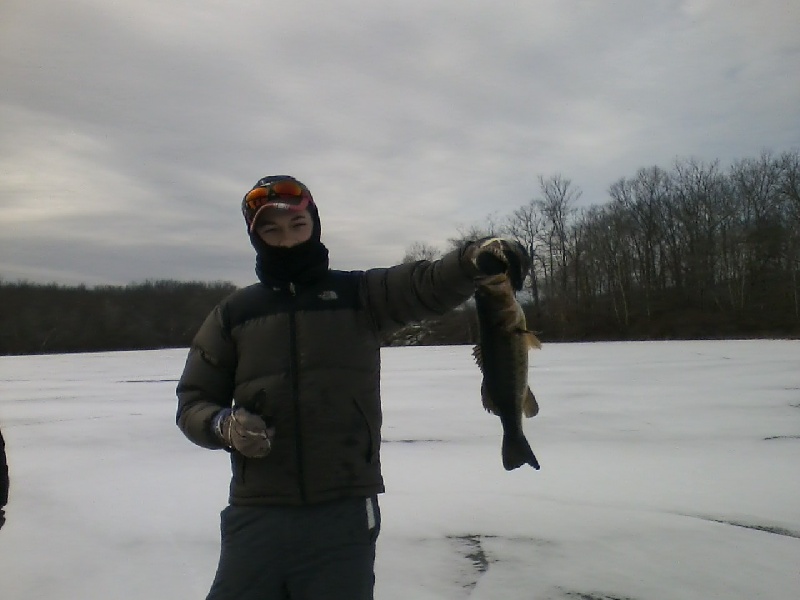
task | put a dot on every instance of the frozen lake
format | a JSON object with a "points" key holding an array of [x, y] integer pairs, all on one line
{"points": [[670, 470]]}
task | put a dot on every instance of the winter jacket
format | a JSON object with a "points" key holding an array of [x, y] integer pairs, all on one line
{"points": [[307, 359]]}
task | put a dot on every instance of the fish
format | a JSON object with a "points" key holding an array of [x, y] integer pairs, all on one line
{"points": [[502, 356]]}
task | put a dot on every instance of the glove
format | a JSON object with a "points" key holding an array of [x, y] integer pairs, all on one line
{"points": [[241, 430], [495, 255]]}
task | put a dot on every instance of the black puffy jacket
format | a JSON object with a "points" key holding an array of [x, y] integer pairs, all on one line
{"points": [[307, 358]]}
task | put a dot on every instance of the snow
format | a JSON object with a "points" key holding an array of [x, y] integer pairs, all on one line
{"points": [[670, 470]]}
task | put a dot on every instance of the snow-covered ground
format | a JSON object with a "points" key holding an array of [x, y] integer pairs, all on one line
{"points": [[670, 471]]}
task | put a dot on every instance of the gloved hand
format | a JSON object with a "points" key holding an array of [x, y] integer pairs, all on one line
{"points": [[241, 430], [496, 255]]}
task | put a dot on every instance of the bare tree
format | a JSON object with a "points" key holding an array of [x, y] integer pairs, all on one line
{"points": [[526, 225], [420, 251], [789, 163], [557, 206], [697, 192], [491, 225], [644, 199], [756, 187]]}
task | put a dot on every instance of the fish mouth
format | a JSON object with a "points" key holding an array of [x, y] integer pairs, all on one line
{"points": [[516, 259]]}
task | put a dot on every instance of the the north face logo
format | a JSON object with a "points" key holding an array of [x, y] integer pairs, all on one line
{"points": [[328, 295]]}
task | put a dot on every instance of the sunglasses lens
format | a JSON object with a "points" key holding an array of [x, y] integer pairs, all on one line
{"points": [[281, 192], [287, 188], [256, 198]]}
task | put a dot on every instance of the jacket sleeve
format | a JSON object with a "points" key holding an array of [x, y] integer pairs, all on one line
{"points": [[207, 382], [416, 291]]}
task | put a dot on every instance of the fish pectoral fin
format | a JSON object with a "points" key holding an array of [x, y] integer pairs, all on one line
{"points": [[531, 341], [488, 404], [530, 408]]}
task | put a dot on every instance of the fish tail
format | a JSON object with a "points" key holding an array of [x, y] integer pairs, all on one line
{"points": [[517, 452]]}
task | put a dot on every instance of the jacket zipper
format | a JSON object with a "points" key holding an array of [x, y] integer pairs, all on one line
{"points": [[295, 376]]}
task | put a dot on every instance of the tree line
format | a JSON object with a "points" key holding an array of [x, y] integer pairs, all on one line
{"points": [[694, 251], [38, 319]]}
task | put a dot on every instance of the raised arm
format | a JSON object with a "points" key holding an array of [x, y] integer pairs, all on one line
{"points": [[421, 290], [424, 289]]}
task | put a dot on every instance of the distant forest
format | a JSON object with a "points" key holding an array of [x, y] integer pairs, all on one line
{"points": [[696, 251], [37, 319]]}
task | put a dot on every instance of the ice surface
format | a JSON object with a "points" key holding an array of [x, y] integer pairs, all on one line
{"points": [[670, 470]]}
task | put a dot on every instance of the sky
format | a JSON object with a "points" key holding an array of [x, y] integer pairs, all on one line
{"points": [[669, 471], [130, 130]]}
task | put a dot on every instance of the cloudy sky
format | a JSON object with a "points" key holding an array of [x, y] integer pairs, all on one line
{"points": [[129, 130]]}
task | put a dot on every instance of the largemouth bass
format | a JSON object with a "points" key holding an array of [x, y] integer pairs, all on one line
{"points": [[502, 355]]}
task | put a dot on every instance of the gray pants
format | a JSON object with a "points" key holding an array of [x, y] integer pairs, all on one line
{"points": [[317, 552]]}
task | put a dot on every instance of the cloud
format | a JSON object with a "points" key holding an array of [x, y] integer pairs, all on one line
{"points": [[134, 126]]}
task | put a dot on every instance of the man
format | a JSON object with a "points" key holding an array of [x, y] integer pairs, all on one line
{"points": [[285, 375]]}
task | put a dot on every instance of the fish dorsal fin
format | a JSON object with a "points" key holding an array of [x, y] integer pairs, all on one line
{"points": [[478, 355], [530, 339], [488, 404], [530, 408]]}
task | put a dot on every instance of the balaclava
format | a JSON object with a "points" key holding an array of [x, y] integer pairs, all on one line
{"points": [[303, 263]]}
